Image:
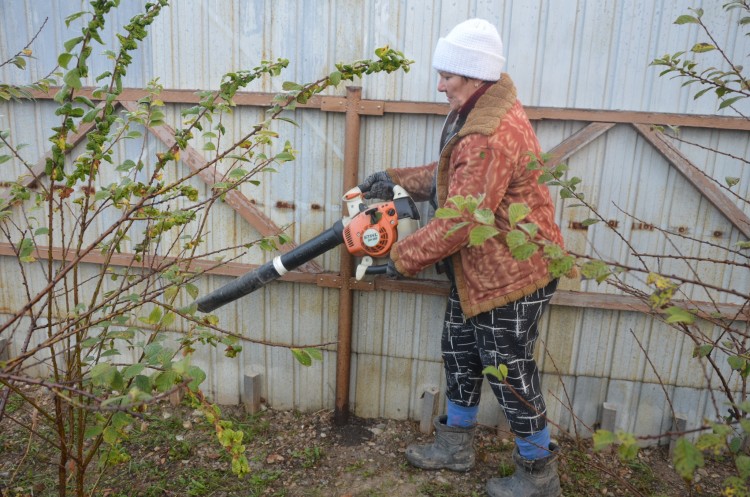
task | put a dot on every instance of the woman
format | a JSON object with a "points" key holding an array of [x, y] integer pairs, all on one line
{"points": [[495, 301]]}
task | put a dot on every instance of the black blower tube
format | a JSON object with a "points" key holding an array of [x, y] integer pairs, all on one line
{"points": [[270, 271]]}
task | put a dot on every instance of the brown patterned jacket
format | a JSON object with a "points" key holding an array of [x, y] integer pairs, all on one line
{"points": [[487, 156]]}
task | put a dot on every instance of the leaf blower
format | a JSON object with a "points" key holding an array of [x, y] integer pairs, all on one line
{"points": [[369, 231]]}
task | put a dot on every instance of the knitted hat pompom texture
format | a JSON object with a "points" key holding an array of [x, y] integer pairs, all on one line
{"points": [[473, 49]]}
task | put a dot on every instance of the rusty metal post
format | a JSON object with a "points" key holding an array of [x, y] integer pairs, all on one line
{"points": [[346, 270]]}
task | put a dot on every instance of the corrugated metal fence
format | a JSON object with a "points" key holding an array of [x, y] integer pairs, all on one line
{"points": [[564, 57]]}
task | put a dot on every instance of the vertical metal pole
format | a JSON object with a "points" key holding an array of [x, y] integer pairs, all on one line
{"points": [[346, 271]]}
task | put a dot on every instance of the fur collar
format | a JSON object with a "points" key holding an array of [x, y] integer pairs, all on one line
{"points": [[491, 108]]}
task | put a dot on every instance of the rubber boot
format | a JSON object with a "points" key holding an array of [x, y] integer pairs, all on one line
{"points": [[532, 478], [452, 449]]}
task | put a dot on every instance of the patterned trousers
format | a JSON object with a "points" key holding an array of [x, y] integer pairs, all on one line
{"points": [[505, 335]]}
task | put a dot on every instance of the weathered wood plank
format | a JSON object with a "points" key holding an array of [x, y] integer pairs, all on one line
{"points": [[576, 142], [697, 177], [234, 198]]}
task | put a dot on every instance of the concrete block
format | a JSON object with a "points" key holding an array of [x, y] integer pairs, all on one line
{"points": [[679, 426], [430, 400], [251, 389], [609, 416]]}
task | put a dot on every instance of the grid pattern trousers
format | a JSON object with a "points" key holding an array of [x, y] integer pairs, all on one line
{"points": [[505, 335]]}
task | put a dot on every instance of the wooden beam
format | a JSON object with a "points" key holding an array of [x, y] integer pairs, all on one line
{"points": [[576, 142], [566, 298], [236, 199], [697, 177], [627, 117], [261, 99], [37, 171]]}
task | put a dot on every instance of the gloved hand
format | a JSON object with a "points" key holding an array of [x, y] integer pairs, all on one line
{"points": [[377, 185], [391, 272]]}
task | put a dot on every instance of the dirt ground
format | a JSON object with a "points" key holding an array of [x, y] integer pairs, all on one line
{"points": [[366, 458], [175, 453]]}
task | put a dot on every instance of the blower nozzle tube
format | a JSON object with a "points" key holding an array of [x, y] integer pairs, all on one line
{"points": [[270, 271]]}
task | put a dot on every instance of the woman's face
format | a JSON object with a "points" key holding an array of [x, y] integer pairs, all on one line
{"points": [[457, 88]]}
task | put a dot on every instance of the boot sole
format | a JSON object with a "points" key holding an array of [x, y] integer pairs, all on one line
{"points": [[462, 468]]}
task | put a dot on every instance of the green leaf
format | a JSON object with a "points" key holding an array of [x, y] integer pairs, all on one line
{"points": [[165, 380], [515, 239], [110, 435], [143, 383], [589, 222], [703, 351], [485, 216], [447, 213], [73, 78], [63, 59], [238, 173], [132, 371], [702, 47], [192, 290], [731, 181], [729, 101], [314, 353], [736, 362], [686, 19], [302, 356], [291, 86], [603, 439], [743, 466], [500, 372], [72, 43], [84, 100], [335, 78], [41, 231], [687, 458], [284, 157], [197, 376], [524, 252], [517, 212], [73, 17], [678, 315], [103, 374], [561, 266], [93, 431], [480, 234], [168, 319], [530, 228], [595, 270]]}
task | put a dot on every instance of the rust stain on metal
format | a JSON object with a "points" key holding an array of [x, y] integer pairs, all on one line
{"points": [[643, 226], [576, 225], [316, 207], [613, 223], [682, 230], [718, 234], [283, 204], [88, 190]]}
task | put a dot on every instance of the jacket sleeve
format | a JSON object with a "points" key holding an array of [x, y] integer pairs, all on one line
{"points": [[415, 180], [475, 169]]}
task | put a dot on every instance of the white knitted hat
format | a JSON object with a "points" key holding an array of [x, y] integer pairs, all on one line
{"points": [[472, 49]]}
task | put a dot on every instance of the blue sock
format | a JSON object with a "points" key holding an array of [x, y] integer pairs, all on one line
{"points": [[464, 417], [535, 446]]}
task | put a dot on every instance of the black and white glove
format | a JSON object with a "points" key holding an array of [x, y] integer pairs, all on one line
{"points": [[377, 185]]}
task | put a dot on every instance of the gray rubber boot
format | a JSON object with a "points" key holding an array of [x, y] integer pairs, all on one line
{"points": [[533, 478], [452, 449]]}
